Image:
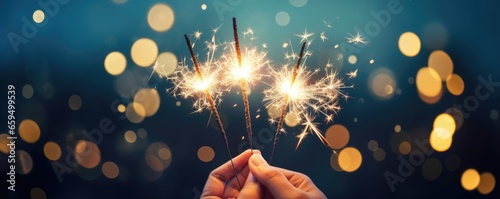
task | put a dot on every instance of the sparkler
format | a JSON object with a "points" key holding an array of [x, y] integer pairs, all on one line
{"points": [[285, 101], [208, 96]]}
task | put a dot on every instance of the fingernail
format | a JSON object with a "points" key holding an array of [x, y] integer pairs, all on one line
{"points": [[257, 159]]}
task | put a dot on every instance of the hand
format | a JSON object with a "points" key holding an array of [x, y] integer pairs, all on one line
{"points": [[282, 183], [222, 183]]}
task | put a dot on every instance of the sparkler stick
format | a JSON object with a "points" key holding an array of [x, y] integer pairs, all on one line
{"points": [[243, 86], [285, 103], [213, 108]]}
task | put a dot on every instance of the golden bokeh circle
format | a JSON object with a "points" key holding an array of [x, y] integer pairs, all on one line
{"points": [[4, 148], [428, 82], [149, 99], [446, 121], [38, 16], [130, 136], [29, 131], [337, 136], [404, 148], [470, 179], [334, 162], [87, 154], [441, 62], [379, 154], [52, 151], [487, 183], [274, 111], [206, 154], [110, 170], [382, 83], [161, 17], [409, 44], [441, 139], [135, 112], [372, 145], [292, 119], [144, 52], [455, 84], [75, 102], [115, 63], [350, 159], [166, 63], [25, 164]]}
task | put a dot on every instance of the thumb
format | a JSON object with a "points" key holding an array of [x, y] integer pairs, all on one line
{"points": [[270, 177]]}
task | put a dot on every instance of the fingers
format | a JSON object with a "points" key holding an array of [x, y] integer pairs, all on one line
{"points": [[226, 172], [271, 177], [251, 189]]}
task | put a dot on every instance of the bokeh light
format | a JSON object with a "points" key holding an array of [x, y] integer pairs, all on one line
{"points": [[274, 111], [446, 121], [24, 162], [350, 159], [37, 193], [115, 63], [372, 145], [292, 119], [282, 18], [27, 91], [298, 3], [166, 63], [38, 16], [470, 179], [121, 108], [29, 131], [487, 183], [206, 154], [161, 17], [87, 154], [149, 99], [157, 158], [432, 168], [382, 83], [110, 170], [334, 162], [352, 59], [337, 136], [455, 84], [3, 143], [404, 148], [409, 44], [441, 62], [75, 102], [203, 6], [144, 52], [135, 112], [397, 128], [142, 133], [52, 151], [428, 82], [379, 154], [441, 139], [494, 114], [130, 136]]}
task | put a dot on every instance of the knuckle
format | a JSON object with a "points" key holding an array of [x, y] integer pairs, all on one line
{"points": [[271, 174]]}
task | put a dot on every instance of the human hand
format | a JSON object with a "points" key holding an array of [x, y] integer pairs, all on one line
{"points": [[222, 183], [282, 183]]}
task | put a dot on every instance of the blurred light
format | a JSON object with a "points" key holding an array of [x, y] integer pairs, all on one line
{"points": [[144, 52], [298, 3], [29, 131], [487, 183], [494, 114], [372, 61], [337, 136], [135, 112], [130, 136], [282, 18], [206, 154], [292, 119], [110, 170], [203, 6], [4, 148], [142, 133], [428, 82], [38, 16], [27, 91], [178, 103], [149, 99], [352, 59], [115, 63], [121, 108], [379, 154], [446, 121], [382, 83], [87, 154], [372, 145], [397, 128], [52, 151], [350, 159], [470, 179], [119, 1], [334, 162], [25, 162], [158, 156], [432, 169], [75, 102], [404, 148], [441, 62], [37, 193], [452, 162], [431, 100], [435, 36], [166, 63], [455, 84], [441, 139], [161, 17], [409, 44], [411, 80], [274, 111], [397, 139]]}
